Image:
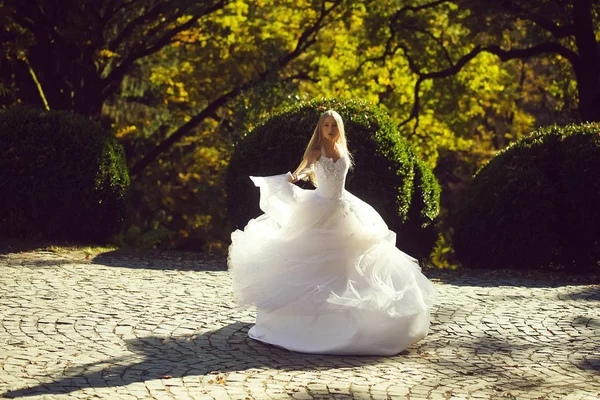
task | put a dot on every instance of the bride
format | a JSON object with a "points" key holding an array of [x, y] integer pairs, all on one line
{"points": [[321, 266]]}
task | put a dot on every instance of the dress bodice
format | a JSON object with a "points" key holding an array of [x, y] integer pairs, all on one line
{"points": [[331, 176]]}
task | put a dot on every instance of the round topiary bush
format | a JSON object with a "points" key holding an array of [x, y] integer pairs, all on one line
{"points": [[387, 174], [63, 176], [536, 204]]}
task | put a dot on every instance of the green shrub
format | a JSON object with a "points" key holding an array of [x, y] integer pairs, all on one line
{"points": [[63, 176], [535, 204], [386, 175]]}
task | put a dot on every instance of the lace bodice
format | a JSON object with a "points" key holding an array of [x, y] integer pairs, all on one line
{"points": [[331, 176]]}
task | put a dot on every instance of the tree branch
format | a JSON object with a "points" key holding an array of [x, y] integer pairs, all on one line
{"points": [[455, 68], [504, 55], [130, 27], [303, 41], [546, 24], [112, 9], [115, 76], [542, 48], [438, 40], [412, 65], [421, 7], [386, 52], [301, 76], [414, 113]]}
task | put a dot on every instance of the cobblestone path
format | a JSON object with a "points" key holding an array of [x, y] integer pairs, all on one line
{"points": [[133, 327]]}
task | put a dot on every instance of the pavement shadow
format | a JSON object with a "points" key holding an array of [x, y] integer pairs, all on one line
{"points": [[123, 258], [590, 363], [162, 260], [514, 278], [31, 255], [468, 359], [586, 293], [217, 352], [45, 263], [10, 245]]}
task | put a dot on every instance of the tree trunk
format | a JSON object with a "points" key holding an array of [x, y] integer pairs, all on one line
{"points": [[68, 78], [587, 69]]}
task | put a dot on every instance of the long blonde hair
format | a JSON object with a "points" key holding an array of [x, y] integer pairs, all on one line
{"points": [[316, 141]]}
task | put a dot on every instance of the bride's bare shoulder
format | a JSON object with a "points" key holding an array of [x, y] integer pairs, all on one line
{"points": [[313, 155]]}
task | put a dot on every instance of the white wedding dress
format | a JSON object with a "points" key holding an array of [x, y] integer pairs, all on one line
{"points": [[322, 268]]}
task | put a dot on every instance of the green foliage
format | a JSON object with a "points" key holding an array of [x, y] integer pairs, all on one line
{"points": [[180, 200], [535, 204], [153, 67], [91, 51], [63, 176], [386, 175]]}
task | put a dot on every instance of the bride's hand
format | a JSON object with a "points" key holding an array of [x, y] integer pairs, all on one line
{"points": [[292, 178]]}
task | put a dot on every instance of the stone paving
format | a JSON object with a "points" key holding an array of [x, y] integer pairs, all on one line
{"points": [[141, 327]]}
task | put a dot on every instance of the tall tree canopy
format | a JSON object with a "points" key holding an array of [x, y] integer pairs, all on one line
{"points": [[79, 52], [180, 80], [453, 33]]}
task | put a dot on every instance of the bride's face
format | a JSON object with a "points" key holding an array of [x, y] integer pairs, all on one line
{"points": [[330, 129]]}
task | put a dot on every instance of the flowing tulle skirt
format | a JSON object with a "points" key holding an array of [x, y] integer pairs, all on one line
{"points": [[325, 275]]}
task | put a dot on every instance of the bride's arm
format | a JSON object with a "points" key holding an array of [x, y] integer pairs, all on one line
{"points": [[305, 167]]}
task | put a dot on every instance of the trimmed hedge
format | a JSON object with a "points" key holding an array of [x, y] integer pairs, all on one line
{"points": [[536, 204], [63, 177], [386, 175]]}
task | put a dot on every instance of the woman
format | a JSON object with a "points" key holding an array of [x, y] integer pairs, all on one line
{"points": [[321, 265]]}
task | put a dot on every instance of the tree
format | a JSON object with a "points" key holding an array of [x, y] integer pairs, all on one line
{"points": [[448, 28], [80, 51], [179, 111], [315, 16], [482, 103]]}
